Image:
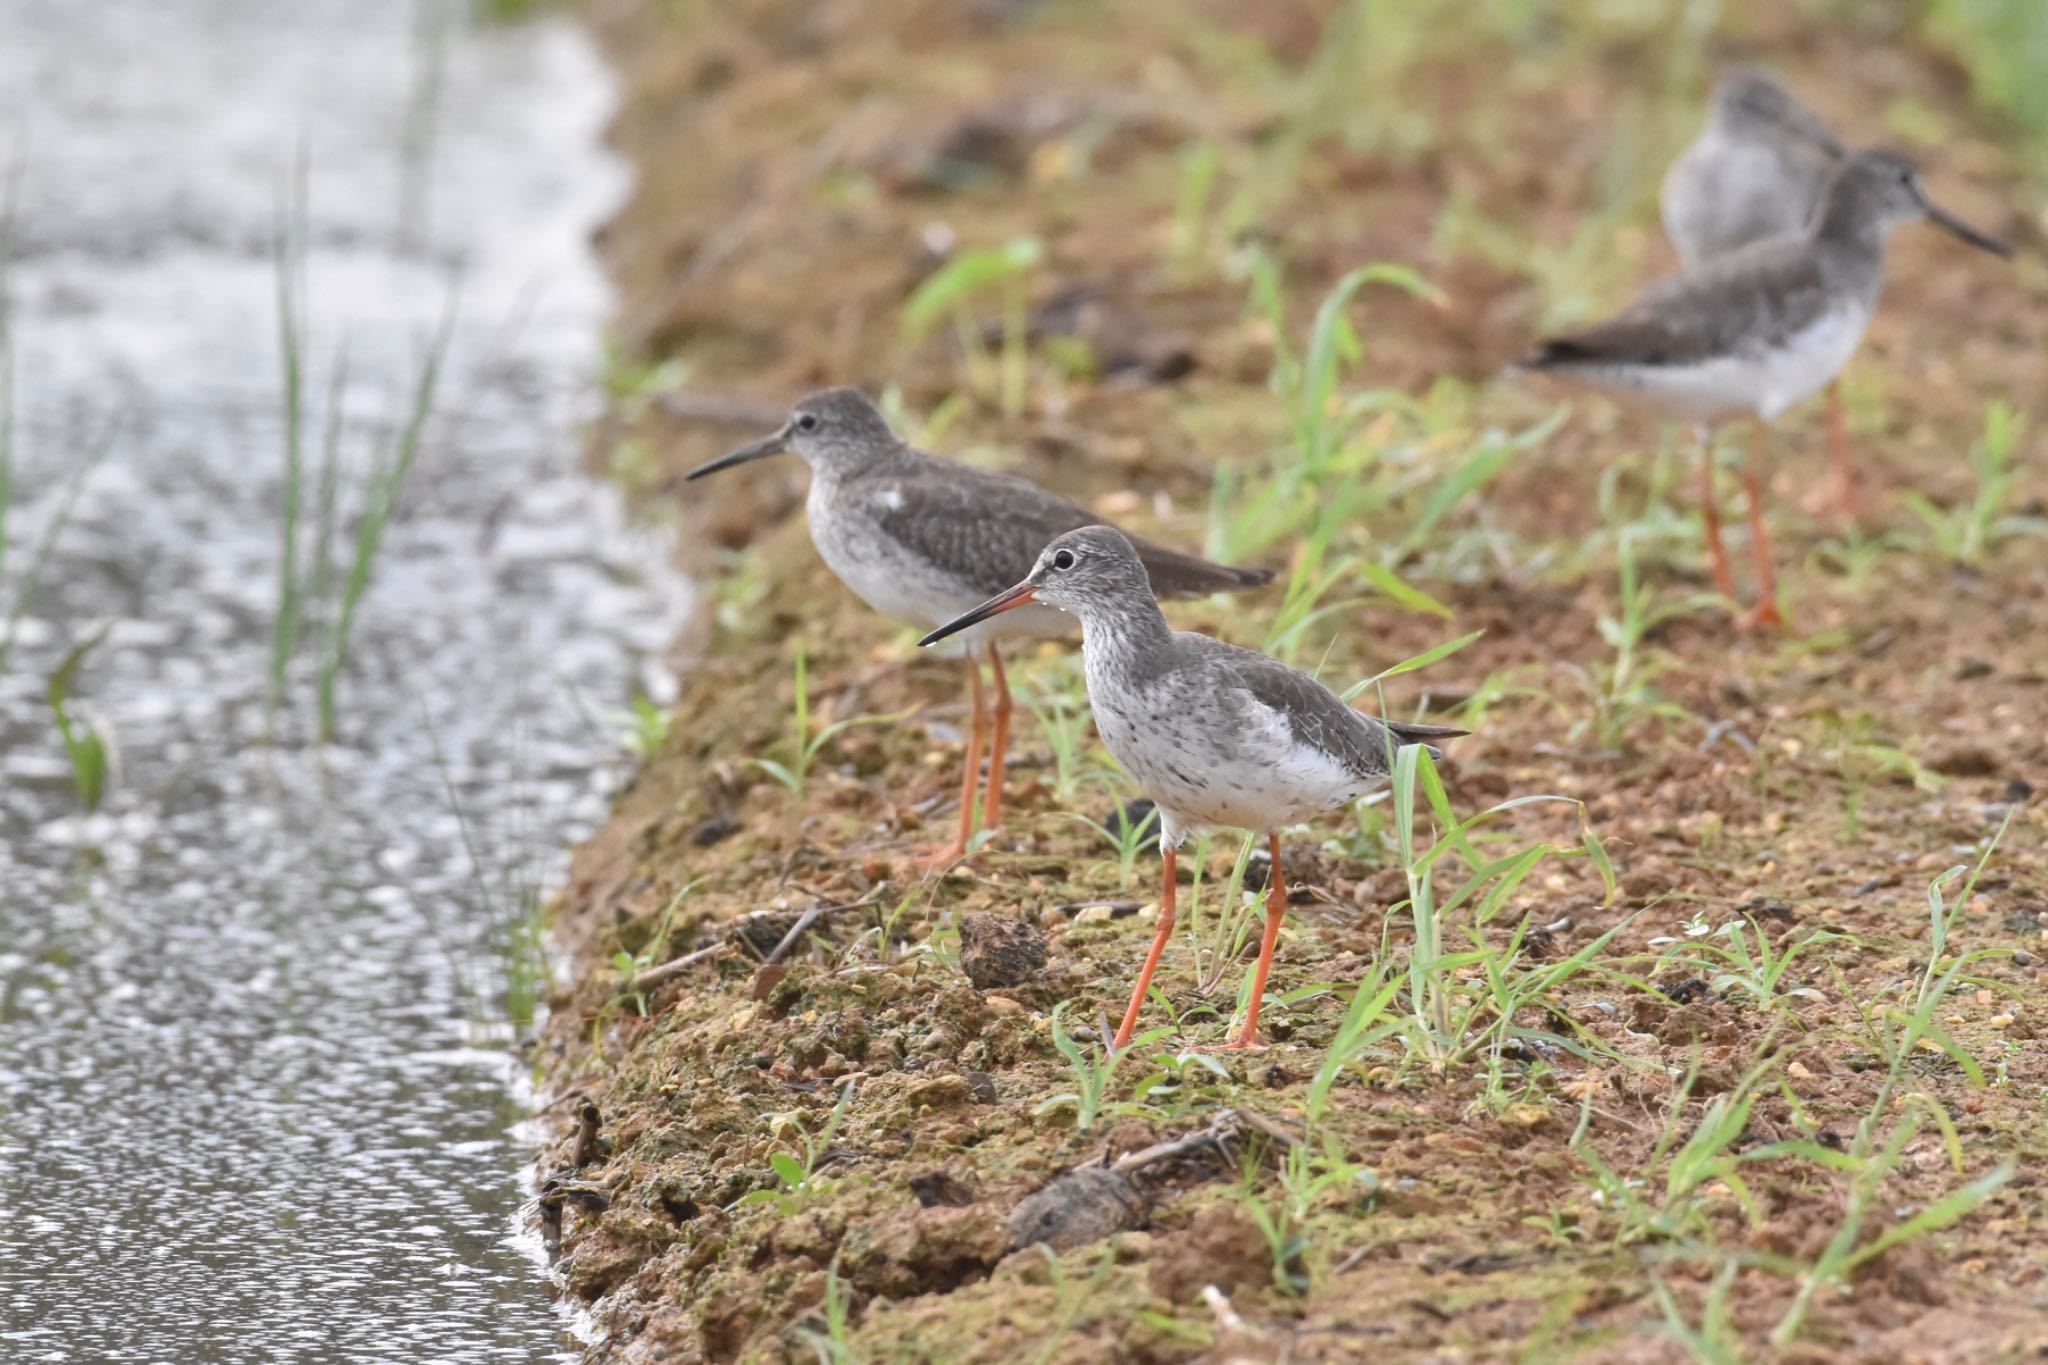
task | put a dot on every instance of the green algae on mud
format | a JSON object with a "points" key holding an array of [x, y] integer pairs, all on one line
{"points": [[1548, 1194]]}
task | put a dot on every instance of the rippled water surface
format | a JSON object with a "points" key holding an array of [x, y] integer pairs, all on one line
{"points": [[255, 1098]]}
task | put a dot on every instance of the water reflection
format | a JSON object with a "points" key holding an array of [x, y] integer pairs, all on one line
{"points": [[251, 1106]]}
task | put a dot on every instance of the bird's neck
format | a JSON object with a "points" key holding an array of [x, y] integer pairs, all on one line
{"points": [[1846, 224], [1118, 640], [882, 458]]}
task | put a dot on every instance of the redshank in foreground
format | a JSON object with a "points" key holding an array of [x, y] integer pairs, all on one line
{"points": [[923, 539], [1758, 170], [1217, 736], [1754, 332]]}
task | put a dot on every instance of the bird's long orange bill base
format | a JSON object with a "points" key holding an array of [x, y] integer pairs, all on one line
{"points": [[1024, 594], [758, 450], [1984, 241]]}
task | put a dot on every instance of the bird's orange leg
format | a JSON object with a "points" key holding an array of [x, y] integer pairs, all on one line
{"points": [[977, 726], [1764, 615], [998, 745], [1848, 504], [1168, 856], [1710, 519], [1276, 911]]}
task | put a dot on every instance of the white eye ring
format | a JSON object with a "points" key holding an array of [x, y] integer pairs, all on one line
{"points": [[807, 421], [1063, 559]]}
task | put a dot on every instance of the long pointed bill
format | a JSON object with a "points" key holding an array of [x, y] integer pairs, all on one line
{"points": [[759, 450], [1024, 594], [1984, 241]]}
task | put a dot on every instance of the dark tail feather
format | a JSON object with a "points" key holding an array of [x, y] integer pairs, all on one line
{"points": [[1174, 574], [1557, 351], [1410, 733]]}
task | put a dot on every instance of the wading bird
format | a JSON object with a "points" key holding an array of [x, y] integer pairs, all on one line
{"points": [[1758, 170], [1217, 736]]}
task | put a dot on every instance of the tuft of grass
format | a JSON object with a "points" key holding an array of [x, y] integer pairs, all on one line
{"points": [[380, 501], [86, 744], [796, 1172], [1127, 837], [952, 293], [646, 727], [1089, 1099], [289, 258], [1445, 1013], [1965, 536], [804, 744]]}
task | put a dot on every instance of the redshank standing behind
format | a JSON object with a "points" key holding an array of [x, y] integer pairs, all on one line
{"points": [[1754, 332], [1217, 736], [1758, 169], [923, 539]]}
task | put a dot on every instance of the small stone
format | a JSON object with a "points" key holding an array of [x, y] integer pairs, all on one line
{"points": [[1799, 1071], [2001, 1021], [1003, 1004], [997, 950]]}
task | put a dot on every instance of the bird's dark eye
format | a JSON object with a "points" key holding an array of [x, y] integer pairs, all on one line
{"points": [[807, 421], [1063, 559]]}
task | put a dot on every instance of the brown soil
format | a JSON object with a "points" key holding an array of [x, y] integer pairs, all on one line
{"points": [[797, 162]]}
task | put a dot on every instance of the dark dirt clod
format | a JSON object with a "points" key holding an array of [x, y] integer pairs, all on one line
{"points": [[1078, 1208], [705, 833], [997, 951], [934, 1188]]}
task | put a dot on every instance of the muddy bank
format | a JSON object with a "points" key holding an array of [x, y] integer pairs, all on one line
{"points": [[1679, 1107]]}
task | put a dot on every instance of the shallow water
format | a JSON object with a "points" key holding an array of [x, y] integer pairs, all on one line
{"points": [[255, 1096]]}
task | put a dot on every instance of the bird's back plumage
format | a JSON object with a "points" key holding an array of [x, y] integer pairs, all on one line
{"points": [[983, 529]]}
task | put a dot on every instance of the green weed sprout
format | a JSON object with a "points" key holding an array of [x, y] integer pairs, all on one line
{"points": [[804, 745], [796, 1173], [1966, 535], [950, 294], [85, 743]]}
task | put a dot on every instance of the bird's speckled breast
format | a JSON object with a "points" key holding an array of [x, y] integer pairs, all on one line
{"points": [[1203, 751]]}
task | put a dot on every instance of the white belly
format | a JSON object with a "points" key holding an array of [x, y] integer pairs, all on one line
{"points": [[1764, 382], [1255, 779]]}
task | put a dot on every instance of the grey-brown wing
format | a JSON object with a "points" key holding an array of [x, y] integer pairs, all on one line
{"points": [[1757, 296], [975, 525], [988, 528], [1315, 715]]}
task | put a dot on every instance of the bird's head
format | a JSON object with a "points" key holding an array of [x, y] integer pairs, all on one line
{"points": [[1877, 190], [831, 430], [1749, 102]]}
